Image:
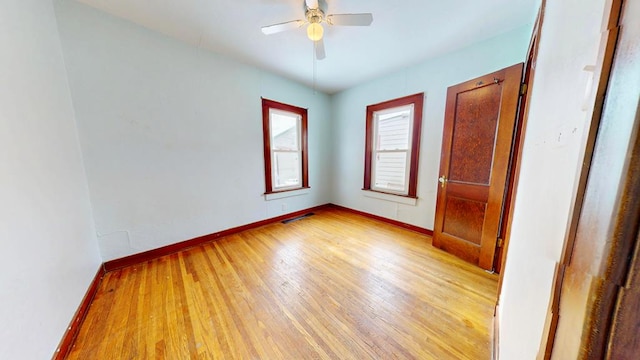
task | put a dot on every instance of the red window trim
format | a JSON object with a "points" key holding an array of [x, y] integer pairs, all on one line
{"points": [[418, 102], [271, 104]]}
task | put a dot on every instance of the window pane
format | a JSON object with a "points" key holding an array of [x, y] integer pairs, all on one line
{"points": [[393, 131], [286, 169], [284, 131], [390, 171]]}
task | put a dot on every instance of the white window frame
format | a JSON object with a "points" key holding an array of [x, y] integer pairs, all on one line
{"points": [[297, 150]]}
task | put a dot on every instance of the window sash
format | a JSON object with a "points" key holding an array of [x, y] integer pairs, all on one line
{"points": [[283, 176], [379, 173], [279, 178], [385, 177], [279, 129]]}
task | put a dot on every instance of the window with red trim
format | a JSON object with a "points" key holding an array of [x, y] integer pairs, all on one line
{"points": [[285, 146], [392, 146]]}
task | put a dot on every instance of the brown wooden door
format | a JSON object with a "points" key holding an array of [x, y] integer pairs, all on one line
{"points": [[476, 145]]}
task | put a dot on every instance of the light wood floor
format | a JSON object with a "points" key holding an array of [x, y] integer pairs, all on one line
{"points": [[332, 286]]}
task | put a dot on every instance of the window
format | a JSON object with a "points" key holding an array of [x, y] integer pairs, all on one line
{"points": [[392, 146], [285, 146]]}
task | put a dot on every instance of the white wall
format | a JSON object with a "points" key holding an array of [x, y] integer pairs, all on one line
{"points": [[554, 140], [431, 77], [172, 141], [47, 235], [172, 135]]}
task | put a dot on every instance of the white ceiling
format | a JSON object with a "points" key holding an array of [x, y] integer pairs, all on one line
{"points": [[403, 32]]}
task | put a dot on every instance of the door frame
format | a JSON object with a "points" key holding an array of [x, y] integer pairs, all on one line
{"points": [[602, 73], [516, 151], [513, 179], [614, 259]]}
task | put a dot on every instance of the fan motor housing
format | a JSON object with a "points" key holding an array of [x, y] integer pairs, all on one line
{"points": [[314, 16]]}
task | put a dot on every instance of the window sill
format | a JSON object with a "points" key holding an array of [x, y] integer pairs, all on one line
{"points": [[390, 197], [286, 193]]}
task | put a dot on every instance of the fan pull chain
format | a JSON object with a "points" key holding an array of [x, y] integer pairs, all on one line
{"points": [[315, 76]]}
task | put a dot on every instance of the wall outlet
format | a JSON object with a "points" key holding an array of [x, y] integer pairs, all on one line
{"points": [[284, 207]]}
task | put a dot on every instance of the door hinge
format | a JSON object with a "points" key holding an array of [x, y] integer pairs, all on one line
{"points": [[499, 242], [523, 89]]}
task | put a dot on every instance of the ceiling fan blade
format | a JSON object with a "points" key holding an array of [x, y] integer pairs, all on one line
{"points": [[319, 47], [312, 4], [350, 19], [276, 28]]}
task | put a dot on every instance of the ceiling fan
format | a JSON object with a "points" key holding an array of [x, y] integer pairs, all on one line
{"points": [[315, 16]]}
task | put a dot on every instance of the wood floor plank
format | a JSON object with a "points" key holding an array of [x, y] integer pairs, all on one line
{"points": [[331, 286]]}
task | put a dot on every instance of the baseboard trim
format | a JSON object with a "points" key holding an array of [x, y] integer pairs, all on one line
{"points": [[71, 333], [418, 229], [183, 245]]}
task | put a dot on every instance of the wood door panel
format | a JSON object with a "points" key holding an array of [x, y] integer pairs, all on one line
{"points": [[464, 219], [463, 249], [469, 191], [475, 125], [478, 131]]}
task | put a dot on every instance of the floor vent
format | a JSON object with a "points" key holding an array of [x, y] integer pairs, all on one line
{"points": [[297, 218]]}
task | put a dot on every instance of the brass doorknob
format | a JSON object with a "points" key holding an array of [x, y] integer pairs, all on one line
{"points": [[443, 180]]}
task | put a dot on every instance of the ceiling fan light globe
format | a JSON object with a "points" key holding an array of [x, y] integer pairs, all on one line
{"points": [[315, 31]]}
